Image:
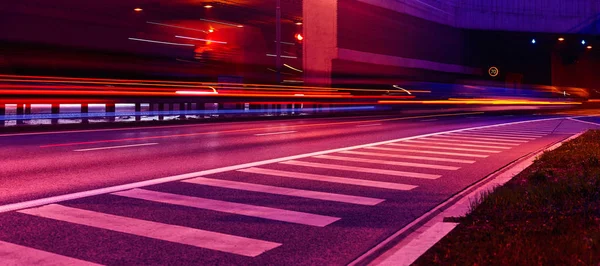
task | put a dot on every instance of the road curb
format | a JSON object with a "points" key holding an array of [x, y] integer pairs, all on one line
{"points": [[409, 243]]}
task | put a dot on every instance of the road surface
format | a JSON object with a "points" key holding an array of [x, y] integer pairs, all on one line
{"points": [[296, 192]]}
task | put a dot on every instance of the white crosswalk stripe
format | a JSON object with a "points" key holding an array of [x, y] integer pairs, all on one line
{"points": [[425, 158], [445, 139], [329, 179], [285, 191], [12, 254], [417, 165], [430, 152], [230, 207], [167, 232], [458, 144], [501, 134], [441, 148], [361, 169], [518, 133], [492, 136], [481, 138]]}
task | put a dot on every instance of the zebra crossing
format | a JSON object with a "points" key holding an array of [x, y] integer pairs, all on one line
{"points": [[400, 167]]}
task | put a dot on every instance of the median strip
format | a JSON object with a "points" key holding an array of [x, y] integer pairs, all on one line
{"points": [[549, 214]]}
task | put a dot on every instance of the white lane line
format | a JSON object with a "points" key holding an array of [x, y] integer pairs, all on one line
{"points": [[284, 191], [329, 179], [369, 125], [275, 133], [162, 180], [230, 207], [117, 147], [441, 148], [167, 232], [507, 134], [426, 158], [408, 254], [407, 164], [430, 152], [458, 144], [583, 121], [12, 254], [491, 136], [445, 139], [477, 138], [429, 120], [361, 169]]}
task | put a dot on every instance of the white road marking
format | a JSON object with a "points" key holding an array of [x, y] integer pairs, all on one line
{"points": [[502, 134], [457, 144], [426, 158], [361, 169], [491, 136], [445, 139], [106, 190], [477, 138], [285, 191], [583, 121], [441, 148], [12, 254], [329, 179], [507, 131], [430, 152], [408, 254], [407, 164], [369, 125], [117, 147], [230, 207], [167, 232], [275, 133]]}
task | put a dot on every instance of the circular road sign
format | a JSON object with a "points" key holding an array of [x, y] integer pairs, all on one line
{"points": [[493, 71]]}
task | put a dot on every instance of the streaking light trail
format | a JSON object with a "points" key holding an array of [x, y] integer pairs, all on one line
{"points": [[159, 42]]}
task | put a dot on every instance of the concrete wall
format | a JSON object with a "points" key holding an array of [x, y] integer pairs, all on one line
{"points": [[556, 16]]}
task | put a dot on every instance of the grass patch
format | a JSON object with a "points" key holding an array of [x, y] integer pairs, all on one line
{"points": [[547, 215]]}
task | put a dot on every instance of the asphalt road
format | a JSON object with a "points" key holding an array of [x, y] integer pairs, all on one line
{"points": [[297, 192]]}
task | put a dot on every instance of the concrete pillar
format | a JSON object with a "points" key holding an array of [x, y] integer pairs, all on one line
{"points": [[182, 111], [138, 109], [200, 106], [111, 108], [85, 108], [55, 110], [319, 47], [2, 113], [161, 108], [20, 111], [220, 107]]}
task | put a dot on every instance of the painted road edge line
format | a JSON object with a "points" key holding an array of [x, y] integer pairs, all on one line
{"points": [[501, 176], [108, 190]]}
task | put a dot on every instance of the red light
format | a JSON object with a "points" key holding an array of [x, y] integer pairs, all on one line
{"points": [[208, 6], [137, 9], [589, 47], [561, 39], [299, 37]]}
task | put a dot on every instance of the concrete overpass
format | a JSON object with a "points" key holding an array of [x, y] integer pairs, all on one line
{"points": [[439, 40]]}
